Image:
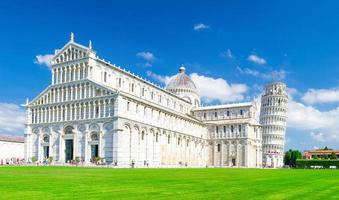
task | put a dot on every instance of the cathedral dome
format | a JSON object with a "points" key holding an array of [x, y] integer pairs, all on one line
{"points": [[183, 86], [181, 81]]}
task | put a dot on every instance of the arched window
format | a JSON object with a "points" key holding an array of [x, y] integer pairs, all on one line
{"points": [[94, 137], [45, 138], [105, 76], [132, 87], [69, 130], [168, 139], [143, 92], [142, 135], [96, 110]]}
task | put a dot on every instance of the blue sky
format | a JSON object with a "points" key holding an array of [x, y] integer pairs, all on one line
{"points": [[237, 44]]}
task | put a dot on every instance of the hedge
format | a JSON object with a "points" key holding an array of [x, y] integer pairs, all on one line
{"points": [[322, 163]]}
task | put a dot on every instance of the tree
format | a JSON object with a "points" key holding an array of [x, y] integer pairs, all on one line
{"points": [[326, 148], [325, 157], [333, 156], [291, 157], [287, 157], [296, 154]]}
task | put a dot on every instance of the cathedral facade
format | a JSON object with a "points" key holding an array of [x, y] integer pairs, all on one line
{"points": [[94, 109]]}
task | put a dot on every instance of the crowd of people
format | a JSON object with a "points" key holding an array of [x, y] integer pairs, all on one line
{"points": [[11, 161]]}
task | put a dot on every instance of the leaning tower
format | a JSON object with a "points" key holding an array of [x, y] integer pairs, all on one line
{"points": [[273, 116]]}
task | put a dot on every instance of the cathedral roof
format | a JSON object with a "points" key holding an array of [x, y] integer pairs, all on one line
{"points": [[181, 81], [11, 138]]}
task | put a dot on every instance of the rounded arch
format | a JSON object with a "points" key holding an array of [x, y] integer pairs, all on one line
{"points": [[143, 133], [94, 136], [46, 130], [144, 129], [69, 129], [81, 127], [36, 131], [94, 127], [127, 126], [136, 128], [108, 126], [45, 138]]}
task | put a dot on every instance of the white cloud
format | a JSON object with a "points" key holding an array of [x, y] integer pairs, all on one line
{"points": [[44, 59], [162, 79], [147, 56], [12, 119], [305, 117], [256, 59], [323, 126], [314, 96], [318, 136], [210, 89], [248, 71], [228, 54], [200, 26], [276, 75]]}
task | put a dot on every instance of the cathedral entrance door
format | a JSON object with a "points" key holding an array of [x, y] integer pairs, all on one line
{"points": [[233, 161], [46, 151], [94, 151], [69, 150]]}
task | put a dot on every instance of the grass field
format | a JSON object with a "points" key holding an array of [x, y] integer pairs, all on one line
{"points": [[102, 183]]}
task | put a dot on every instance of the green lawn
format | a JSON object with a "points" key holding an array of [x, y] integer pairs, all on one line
{"points": [[103, 183]]}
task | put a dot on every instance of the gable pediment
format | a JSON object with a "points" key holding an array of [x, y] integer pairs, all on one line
{"points": [[73, 91], [71, 51]]}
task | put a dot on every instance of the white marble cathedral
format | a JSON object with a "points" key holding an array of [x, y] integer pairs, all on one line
{"points": [[96, 109]]}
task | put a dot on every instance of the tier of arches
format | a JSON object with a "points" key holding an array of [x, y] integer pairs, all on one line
{"points": [[74, 72], [156, 146], [98, 108], [52, 141], [71, 92], [221, 114], [273, 111], [235, 153], [273, 148], [159, 117], [275, 89], [273, 139], [228, 131], [274, 129], [154, 95], [274, 101], [70, 54], [273, 120]]}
